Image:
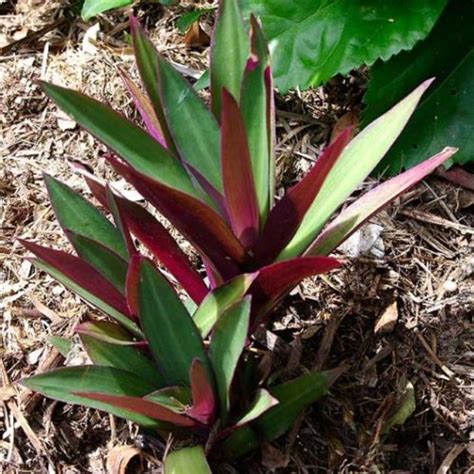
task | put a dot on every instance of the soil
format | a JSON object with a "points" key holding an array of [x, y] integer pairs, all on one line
{"points": [[399, 322]]}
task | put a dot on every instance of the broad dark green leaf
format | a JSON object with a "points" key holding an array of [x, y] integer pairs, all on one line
{"points": [[79, 216], [108, 332], [171, 333], [61, 384], [187, 19], [356, 161], [227, 345], [313, 40], [91, 8], [220, 300], [262, 402], [107, 263], [445, 115], [190, 460], [130, 142], [123, 357], [229, 52], [193, 127]]}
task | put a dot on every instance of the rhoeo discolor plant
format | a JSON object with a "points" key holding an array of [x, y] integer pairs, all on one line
{"points": [[173, 378], [210, 172]]}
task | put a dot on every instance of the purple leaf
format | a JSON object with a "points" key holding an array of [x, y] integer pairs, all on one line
{"points": [[288, 213], [204, 402], [351, 218], [239, 188]]}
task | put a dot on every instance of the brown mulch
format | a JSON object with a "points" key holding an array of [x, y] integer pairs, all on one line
{"points": [[395, 321]]}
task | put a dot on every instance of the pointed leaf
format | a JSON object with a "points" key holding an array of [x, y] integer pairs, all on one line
{"points": [[174, 398], [91, 8], [108, 332], [62, 384], [262, 402], [198, 141], [276, 280], [194, 219], [130, 142], [357, 160], [293, 397], [145, 109], [81, 278], [153, 235], [229, 52], [220, 300], [147, 62], [80, 216], [254, 103], [351, 218], [122, 357], [171, 333], [140, 406], [239, 443], [239, 187], [107, 263], [227, 345], [286, 216], [204, 403], [187, 460], [62, 344]]}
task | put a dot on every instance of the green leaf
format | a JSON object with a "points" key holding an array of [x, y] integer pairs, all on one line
{"points": [[106, 331], [262, 402], [203, 81], [354, 164], [94, 7], [198, 141], [123, 357], [171, 333], [107, 263], [229, 53], [187, 460], [187, 19], [227, 345], [73, 286], [313, 40], [61, 384], [220, 300], [293, 397], [239, 443], [62, 344], [79, 216], [133, 144], [445, 115], [406, 407]]}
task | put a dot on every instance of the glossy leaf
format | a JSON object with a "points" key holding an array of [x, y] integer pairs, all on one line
{"points": [[91, 8], [140, 406], [63, 384], [229, 52], [227, 345], [171, 333], [107, 263], [130, 142], [357, 160], [190, 460], [239, 443], [220, 300], [313, 40], [198, 141], [204, 402], [293, 397], [175, 398], [276, 280], [445, 115], [239, 186], [153, 235], [79, 216], [254, 102], [351, 218], [127, 358], [145, 109], [286, 216], [147, 62], [262, 402], [84, 280], [194, 219], [108, 332]]}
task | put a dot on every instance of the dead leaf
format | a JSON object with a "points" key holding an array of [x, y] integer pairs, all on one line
{"points": [[387, 320], [90, 37], [347, 120], [7, 392], [273, 458], [196, 36], [450, 457], [119, 458]]}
